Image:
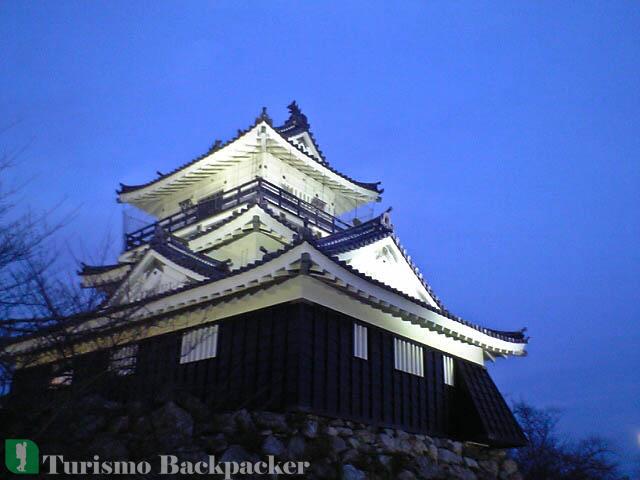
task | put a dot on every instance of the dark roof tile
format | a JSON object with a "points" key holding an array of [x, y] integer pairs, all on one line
{"points": [[95, 269], [175, 250]]}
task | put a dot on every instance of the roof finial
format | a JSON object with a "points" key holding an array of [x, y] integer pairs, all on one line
{"points": [[385, 219], [294, 108], [264, 117], [296, 117]]}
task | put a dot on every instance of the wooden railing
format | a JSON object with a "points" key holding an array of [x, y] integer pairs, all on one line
{"points": [[258, 189]]}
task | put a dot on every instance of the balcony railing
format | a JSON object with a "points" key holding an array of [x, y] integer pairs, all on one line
{"points": [[253, 190]]}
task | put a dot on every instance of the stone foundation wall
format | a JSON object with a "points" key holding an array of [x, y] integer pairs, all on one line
{"points": [[335, 448]]}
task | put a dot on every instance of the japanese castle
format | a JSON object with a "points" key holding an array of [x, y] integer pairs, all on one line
{"points": [[249, 291]]}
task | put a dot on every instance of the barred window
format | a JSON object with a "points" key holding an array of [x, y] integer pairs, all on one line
{"points": [[448, 370], [123, 360], [360, 348], [408, 357], [199, 344], [62, 375]]}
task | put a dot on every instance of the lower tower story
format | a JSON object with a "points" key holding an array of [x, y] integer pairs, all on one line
{"points": [[295, 356]]}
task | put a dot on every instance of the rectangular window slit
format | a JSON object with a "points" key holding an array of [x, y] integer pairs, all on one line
{"points": [[199, 344], [408, 357], [360, 347], [447, 363], [62, 376], [123, 360]]}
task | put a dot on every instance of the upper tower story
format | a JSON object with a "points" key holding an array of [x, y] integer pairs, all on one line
{"points": [[287, 158]]}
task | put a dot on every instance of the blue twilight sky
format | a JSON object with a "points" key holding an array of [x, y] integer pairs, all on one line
{"points": [[505, 134]]}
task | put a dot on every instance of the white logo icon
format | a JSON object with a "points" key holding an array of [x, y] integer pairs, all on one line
{"points": [[21, 454]]}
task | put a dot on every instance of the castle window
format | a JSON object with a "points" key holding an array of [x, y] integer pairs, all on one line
{"points": [[408, 357], [186, 204], [123, 360], [199, 344], [62, 376], [316, 202], [360, 348], [447, 363]]}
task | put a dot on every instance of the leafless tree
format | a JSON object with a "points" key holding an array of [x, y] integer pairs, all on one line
{"points": [[31, 296], [38, 296], [549, 456]]}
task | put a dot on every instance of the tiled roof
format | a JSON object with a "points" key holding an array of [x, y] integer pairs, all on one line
{"points": [[173, 249], [373, 186], [296, 124], [224, 221], [281, 218], [370, 231], [355, 237], [228, 274], [366, 233], [176, 250], [238, 213], [218, 145], [95, 269], [498, 425], [366, 230], [512, 337]]}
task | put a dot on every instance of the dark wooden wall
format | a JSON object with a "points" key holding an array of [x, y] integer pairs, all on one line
{"points": [[299, 356], [254, 366], [334, 381]]}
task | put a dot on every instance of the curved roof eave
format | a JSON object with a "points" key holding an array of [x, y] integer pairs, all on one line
{"points": [[127, 193], [190, 296], [511, 337], [517, 337], [370, 186], [217, 146]]}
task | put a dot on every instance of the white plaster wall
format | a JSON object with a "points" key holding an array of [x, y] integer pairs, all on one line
{"points": [[304, 187], [383, 261]]}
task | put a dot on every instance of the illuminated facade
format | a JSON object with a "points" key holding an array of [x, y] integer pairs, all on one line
{"points": [[251, 291]]}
